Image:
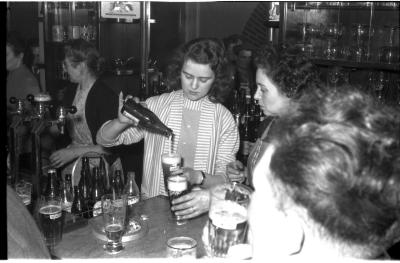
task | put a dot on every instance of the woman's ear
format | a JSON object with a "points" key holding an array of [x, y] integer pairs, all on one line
{"points": [[294, 230]]}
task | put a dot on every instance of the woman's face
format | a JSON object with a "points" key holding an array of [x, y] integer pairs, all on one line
{"points": [[196, 79], [271, 100], [12, 61], [74, 70]]}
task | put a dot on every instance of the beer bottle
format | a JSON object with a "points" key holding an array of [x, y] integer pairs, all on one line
{"points": [[117, 182], [103, 175], [84, 186], [77, 206], [97, 192], [67, 194], [52, 189], [133, 195], [144, 118], [245, 132]]}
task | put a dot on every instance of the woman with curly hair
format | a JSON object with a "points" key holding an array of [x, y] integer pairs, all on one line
{"points": [[205, 134], [281, 78]]}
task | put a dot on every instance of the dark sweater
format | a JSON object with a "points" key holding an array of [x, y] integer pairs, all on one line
{"points": [[101, 105]]}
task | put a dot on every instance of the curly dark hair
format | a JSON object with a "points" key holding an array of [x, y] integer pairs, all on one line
{"points": [[80, 50], [338, 156], [204, 51], [289, 69]]}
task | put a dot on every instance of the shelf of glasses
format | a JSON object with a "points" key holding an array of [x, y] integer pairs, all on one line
{"points": [[348, 6], [357, 65]]}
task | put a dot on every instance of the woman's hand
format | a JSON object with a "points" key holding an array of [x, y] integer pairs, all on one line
{"points": [[62, 157], [192, 204], [236, 171], [194, 177], [121, 117]]}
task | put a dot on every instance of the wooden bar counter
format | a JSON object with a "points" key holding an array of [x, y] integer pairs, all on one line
{"points": [[83, 243]]}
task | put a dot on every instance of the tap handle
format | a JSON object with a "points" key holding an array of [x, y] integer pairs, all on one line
{"points": [[71, 109], [13, 100], [30, 98]]}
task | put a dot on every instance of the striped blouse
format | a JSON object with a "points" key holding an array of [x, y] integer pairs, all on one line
{"points": [[217, 138]]}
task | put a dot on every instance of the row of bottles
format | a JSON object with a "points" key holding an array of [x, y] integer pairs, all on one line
{"points": [[84, 199], [248, 116]]}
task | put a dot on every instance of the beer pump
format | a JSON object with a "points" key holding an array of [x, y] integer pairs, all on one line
{"points": [[18, 117], [41, 121]]}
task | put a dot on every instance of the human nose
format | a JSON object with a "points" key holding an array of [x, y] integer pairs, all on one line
{"points": [[195, 84], [257, 95]]}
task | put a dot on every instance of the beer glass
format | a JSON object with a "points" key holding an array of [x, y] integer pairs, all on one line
{"points": [[113, 207], [171, 162], [177, 186], [178, 247], [227, 217], [51, 220], [24, 191]]}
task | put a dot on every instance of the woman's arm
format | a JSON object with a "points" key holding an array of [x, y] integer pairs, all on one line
{"points": [[66, 155]]}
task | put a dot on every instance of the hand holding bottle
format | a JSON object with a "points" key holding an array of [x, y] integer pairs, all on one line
{"points": [[236, 171], [121, 117]]}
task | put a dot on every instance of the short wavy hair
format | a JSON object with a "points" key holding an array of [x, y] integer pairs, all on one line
{"points": [[80, 50], [209, 51], [338, 156], [289, 69]]}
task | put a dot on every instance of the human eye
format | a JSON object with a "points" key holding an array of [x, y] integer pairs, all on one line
{"points": [[204, 80], [187, 76]]}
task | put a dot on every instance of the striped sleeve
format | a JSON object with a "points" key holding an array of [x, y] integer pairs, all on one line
{"points": [[228, 142], [128, 136]]}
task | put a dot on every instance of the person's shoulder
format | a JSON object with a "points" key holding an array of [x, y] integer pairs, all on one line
{"points": [[101, 89], [162, 98]]}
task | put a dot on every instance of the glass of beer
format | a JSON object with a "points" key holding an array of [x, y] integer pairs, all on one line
{"points": [[178, 247], [227, 217], [113, 207], [171, 162], [177, 186], [51, 220]]}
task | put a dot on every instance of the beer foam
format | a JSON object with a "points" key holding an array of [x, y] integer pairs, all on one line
{"points": [[171, 159], [42, 97], [227, 214], [50, 209], [177, 183]]}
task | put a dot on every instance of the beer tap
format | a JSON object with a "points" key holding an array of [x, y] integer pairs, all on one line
{"points": [[61, 114], [19, 118]]}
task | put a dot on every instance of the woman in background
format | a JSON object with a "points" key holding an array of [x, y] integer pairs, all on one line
{"points": [[95, 102]]}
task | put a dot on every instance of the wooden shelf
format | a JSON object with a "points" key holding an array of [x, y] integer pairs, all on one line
{"points": [[357, 65]]}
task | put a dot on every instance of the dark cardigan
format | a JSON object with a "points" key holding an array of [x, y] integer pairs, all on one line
{"points": [[101, 105]]}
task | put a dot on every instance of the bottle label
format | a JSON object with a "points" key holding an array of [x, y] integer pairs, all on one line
{"points": [[245, 147], [130, 116], [133, 200], [97, 208]]}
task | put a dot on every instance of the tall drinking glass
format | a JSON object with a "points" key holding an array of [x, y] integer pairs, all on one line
{"points": [[227, 217], [24, 191], [113, 207], [51, 220], [177, 187], [171, 162]]}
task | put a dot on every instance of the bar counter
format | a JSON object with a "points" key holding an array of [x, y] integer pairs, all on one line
{"points": [[83, 243]]}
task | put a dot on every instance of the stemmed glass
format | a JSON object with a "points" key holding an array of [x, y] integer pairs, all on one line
{"points": [[113, 207]]}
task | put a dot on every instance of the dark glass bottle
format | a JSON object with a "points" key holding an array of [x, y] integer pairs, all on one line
{"points": [[52, 189], [144, 118], [117, 182], [103, 175], [84, 186], [97, 192], [77, 206]]}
